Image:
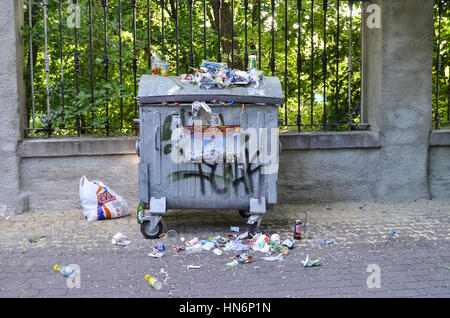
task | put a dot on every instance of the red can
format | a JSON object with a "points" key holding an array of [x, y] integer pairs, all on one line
{"points": [[298, 229]]}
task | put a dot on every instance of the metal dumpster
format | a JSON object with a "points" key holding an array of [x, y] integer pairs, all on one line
{"points": [[245, 133]]}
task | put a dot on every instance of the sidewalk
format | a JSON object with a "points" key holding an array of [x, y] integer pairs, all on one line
{"points": [[413, 264]]}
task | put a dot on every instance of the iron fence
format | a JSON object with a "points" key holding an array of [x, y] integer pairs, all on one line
{"points": [[441, 69], [84, 58]]}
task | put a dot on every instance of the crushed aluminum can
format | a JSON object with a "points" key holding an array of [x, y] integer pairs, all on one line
{"points": [[288, 243]]}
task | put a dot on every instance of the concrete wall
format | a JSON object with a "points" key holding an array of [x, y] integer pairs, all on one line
{"points": [[12, 103], [314, 167]]}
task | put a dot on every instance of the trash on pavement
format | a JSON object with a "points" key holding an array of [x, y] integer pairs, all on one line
{"points": [[34, 239], [243, 236], [5, 213], [288, 243], [275, 238], [160, 247], [307, 232], [172, 233], [279, 257], [101, 202], [156, 255], [196, 248], [217, 251], [447, 267], [178, 248], [261, 243], [297, 229], [323, 241], [310, 263], [156, 284], [236, 245], [390, 236], [120, 239], [162, 235], [65, 270], [193, 267], [208, 246], [244, 258], [192, 242], [232, 265], [234, 229]]}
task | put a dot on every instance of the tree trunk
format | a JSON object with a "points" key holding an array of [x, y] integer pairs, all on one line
{"points": [[226, 33]]}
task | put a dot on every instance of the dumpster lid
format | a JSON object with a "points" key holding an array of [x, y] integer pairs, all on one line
{"points": [[155, 88]]}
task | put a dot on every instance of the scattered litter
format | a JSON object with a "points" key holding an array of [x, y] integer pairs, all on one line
{"points": [[307, 226], [232, 265], [279, 257], [182, 239], [447, 267], [259, 243], [234, 229], [297, 229], [217, 251], [243, 236], [323, 241], [35, 238], [120, 239], [101, 202], [208, 246], [390, 236], [5, 213], [244, 258], [172, 233], [156, 255], [191, 242], [236, 245], [310, 263], [193, 267], [162, 235], [288, 243], [160, 247], [156, 284], [65, 270], [194, 248], [275, 238], [178, 248], [218, 75]]}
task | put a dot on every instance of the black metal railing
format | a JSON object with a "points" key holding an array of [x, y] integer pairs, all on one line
{"points": [[441, 70], [84, 57]]}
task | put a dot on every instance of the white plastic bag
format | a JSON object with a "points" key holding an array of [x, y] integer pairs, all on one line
{"points": [[100, 202]]}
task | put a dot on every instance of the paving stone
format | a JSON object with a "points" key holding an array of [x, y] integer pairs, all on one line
{"points": [[26, 270]]}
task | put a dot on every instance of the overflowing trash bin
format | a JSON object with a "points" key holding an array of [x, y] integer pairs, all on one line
{"points": [[206, 148]]}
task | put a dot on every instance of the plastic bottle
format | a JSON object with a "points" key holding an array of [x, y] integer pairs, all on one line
{"points": [[196, 248], [64, 270], [139, 209], [307, 226], [156, 284]]}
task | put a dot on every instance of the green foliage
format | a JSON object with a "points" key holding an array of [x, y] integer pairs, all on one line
{"points": [[116, 95], [441, 104]]}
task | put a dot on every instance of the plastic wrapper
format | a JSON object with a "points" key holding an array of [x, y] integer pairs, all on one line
{"points": [[279, 257]]}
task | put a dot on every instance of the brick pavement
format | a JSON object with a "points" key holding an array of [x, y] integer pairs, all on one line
{"points": [[412, 265]]}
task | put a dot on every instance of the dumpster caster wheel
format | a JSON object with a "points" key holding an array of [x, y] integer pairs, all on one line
{"points": [[244, 213], [151, 233]]}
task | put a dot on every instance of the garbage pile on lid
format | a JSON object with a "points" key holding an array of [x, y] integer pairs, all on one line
{"points": [[218, 75]]}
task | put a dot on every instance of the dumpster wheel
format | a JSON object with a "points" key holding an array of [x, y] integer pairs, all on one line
{"points": [[244, 213], [151, 233]]}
